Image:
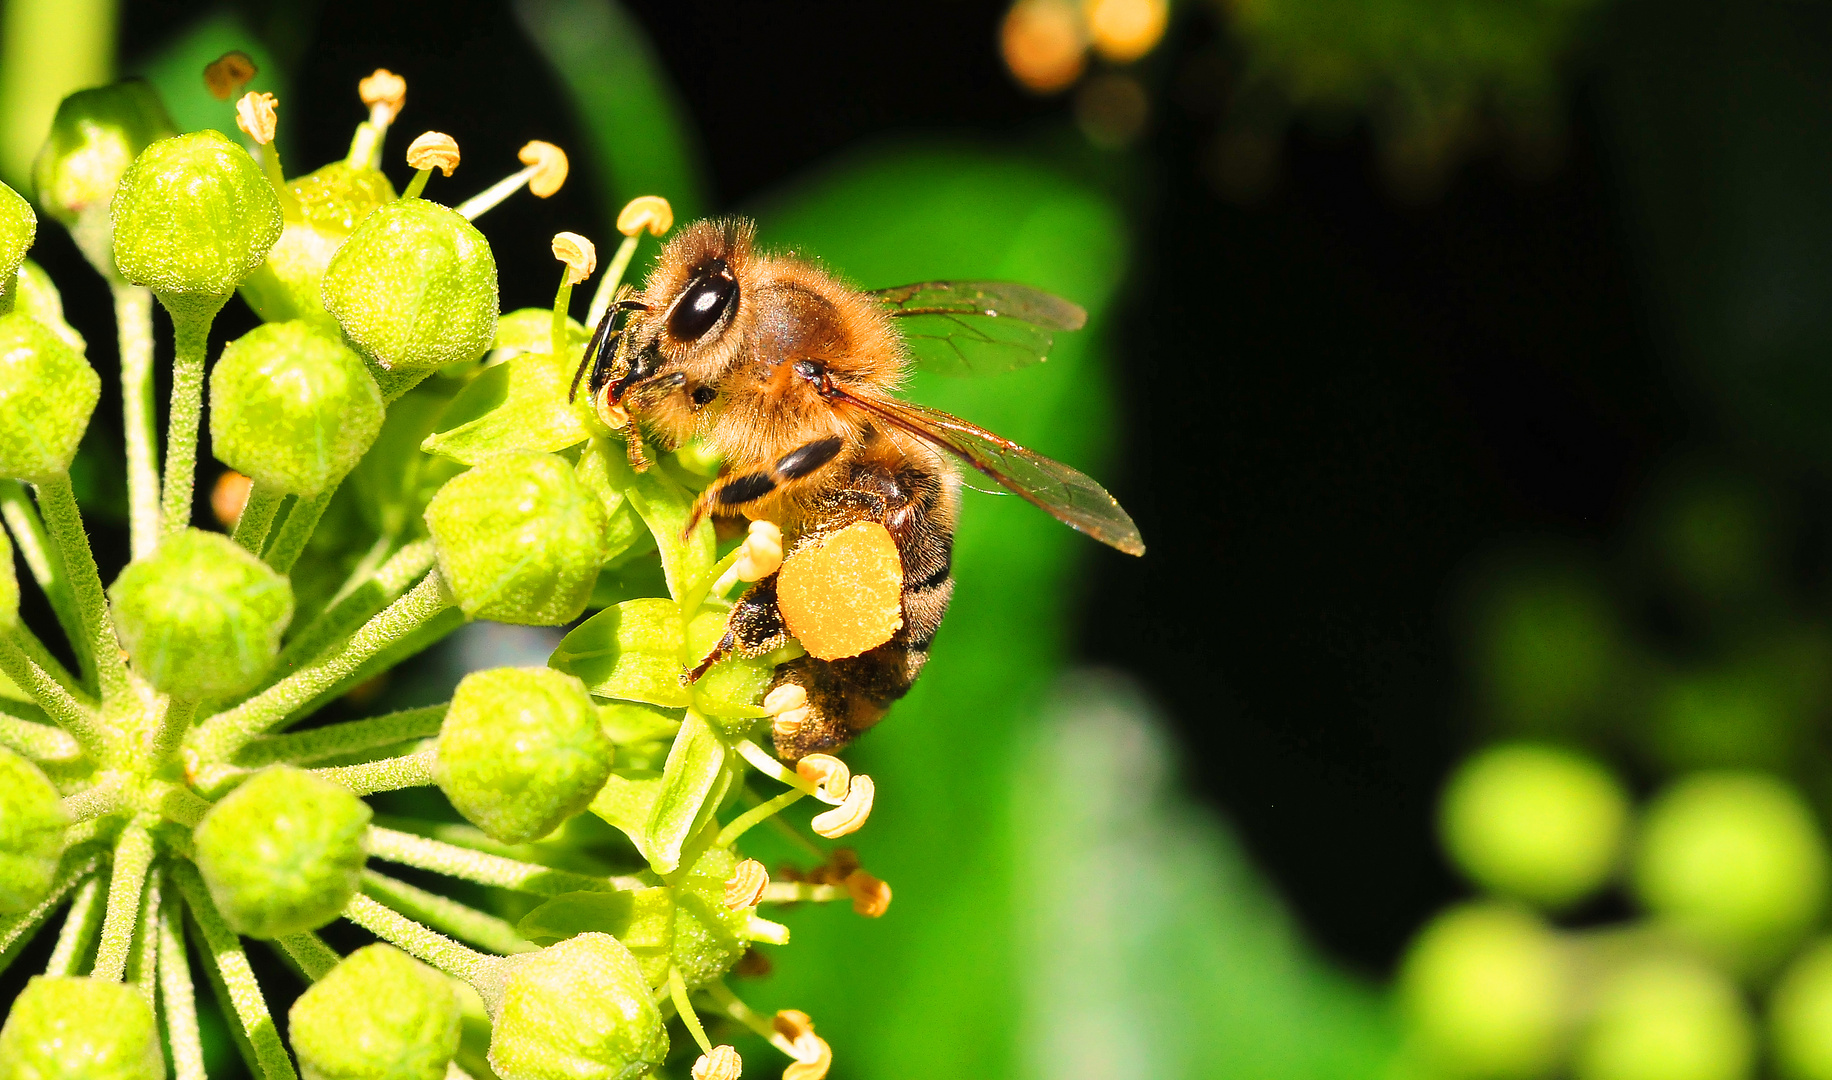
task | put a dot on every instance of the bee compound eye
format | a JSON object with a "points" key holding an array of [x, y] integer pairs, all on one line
{"points": [[708, 297]]}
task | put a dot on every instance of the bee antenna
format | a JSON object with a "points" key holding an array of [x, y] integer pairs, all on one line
{"points": [[592, 349], [632, 305]]}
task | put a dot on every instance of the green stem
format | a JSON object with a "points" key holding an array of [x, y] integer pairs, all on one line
{"points": [[175, 802], [417, 184], [238, 978], [484, 972], [143, 954], [58, 502], [133, 306], [133, 856], [388, 774], [356, 604], [486, 869], [222, 735], [170, 730], [276, 176], [47, 568], [308, 950], [257, 516], [562, 303], [353, 737], [445, 914], [744, 1014], [178, 998], [79, 928], [613, 277], [191, 340], [796, 892], [677, 989], [296, 530], [36, 652], [14, 929], [70, 714], [93, 802], [40, 743], [475, 206], [743, 822]]}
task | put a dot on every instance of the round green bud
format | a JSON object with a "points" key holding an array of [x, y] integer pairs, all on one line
{"points": [[64, 1027], [292, 407], [32, 822], [1666, 1018], [200, 615], [47, 391], [519, 539], [283, 853], [578, 1010], [1483, 989], [521, 750], [330, 203], [18, 228], [414, 287], [708, 936], [193, 216], [39, 298], [95, 136], [338, 1032], [1734, 861], [1534, 822], [1800, 1016]]}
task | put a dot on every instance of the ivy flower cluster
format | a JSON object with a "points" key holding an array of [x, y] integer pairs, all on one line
{"points": [[405, 460]]}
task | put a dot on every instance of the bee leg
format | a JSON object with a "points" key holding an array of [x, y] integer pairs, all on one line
{"points": [[754, 627], [729, 493]]}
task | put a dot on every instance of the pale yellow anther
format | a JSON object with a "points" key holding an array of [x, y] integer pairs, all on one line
{"points": [[813, 1057], [827, 772], [870, 896], [788, 705], [723, 1063], [793, 1025], [745, 887], [580, 257], [850, 815], [549, 164], [228, 73], [650, 212], [762, 555], [385, 93], [255, 115], [433, 150]]}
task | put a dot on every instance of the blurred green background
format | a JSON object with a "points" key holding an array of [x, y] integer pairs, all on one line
{"points": [[1464, 362]]}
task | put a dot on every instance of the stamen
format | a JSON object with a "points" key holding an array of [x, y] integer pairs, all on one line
{"points": [[758, 557], [871, 897], [545, 172], [229, 496], [255, 115], [677, 989], [228, 73], [834, 778], [578, 253], [745, 887], [850, 815], [650, 212], [722, 1063], [813, 1062], [385, 93], [432, 150], [813, 1057], [788, 704]]}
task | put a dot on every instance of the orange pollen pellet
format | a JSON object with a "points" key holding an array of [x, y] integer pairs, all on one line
{"points": [[842, 594]]}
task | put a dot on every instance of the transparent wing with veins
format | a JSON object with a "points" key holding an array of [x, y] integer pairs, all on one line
{"points": [[978, 327]]}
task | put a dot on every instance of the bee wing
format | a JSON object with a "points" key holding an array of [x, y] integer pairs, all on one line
{"points": [[1065, 494], [978, 327]]}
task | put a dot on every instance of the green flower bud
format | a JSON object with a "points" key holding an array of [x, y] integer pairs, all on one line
{"points": [[521, 750], [284, 852], [32, 822], [1666, 1018], [578, 1010], [519, 539], [39, 298], [339, 1033], [68, 1028], [200, 615], [292, 407], [414, 287], [708, 936], [1800, 1016], [47, 391], [1534, 822], [1735, 862], [18, 228], [194, 215], [96, 135], [330, 203], [1484, 990]]}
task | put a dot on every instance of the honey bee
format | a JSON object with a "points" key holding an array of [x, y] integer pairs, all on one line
{"points": [[790, 375]]}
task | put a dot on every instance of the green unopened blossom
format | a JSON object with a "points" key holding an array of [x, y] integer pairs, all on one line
{"points": [[96, 135], [69, 1028], [521, 750], [1666, 1016], [1734, 861], [284, 852], [47, 391], [194, 216], [414, 287], [18, 228], [39, 298], [201, 616], [578, 1010], [32, 821], [292, 407], [378, 1015], [708, 936], [519, 539], [1483, 989], [1800, 1016], [327, 205]]}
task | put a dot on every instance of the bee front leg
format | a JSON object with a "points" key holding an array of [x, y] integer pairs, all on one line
{"points": [[730, 493]]}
